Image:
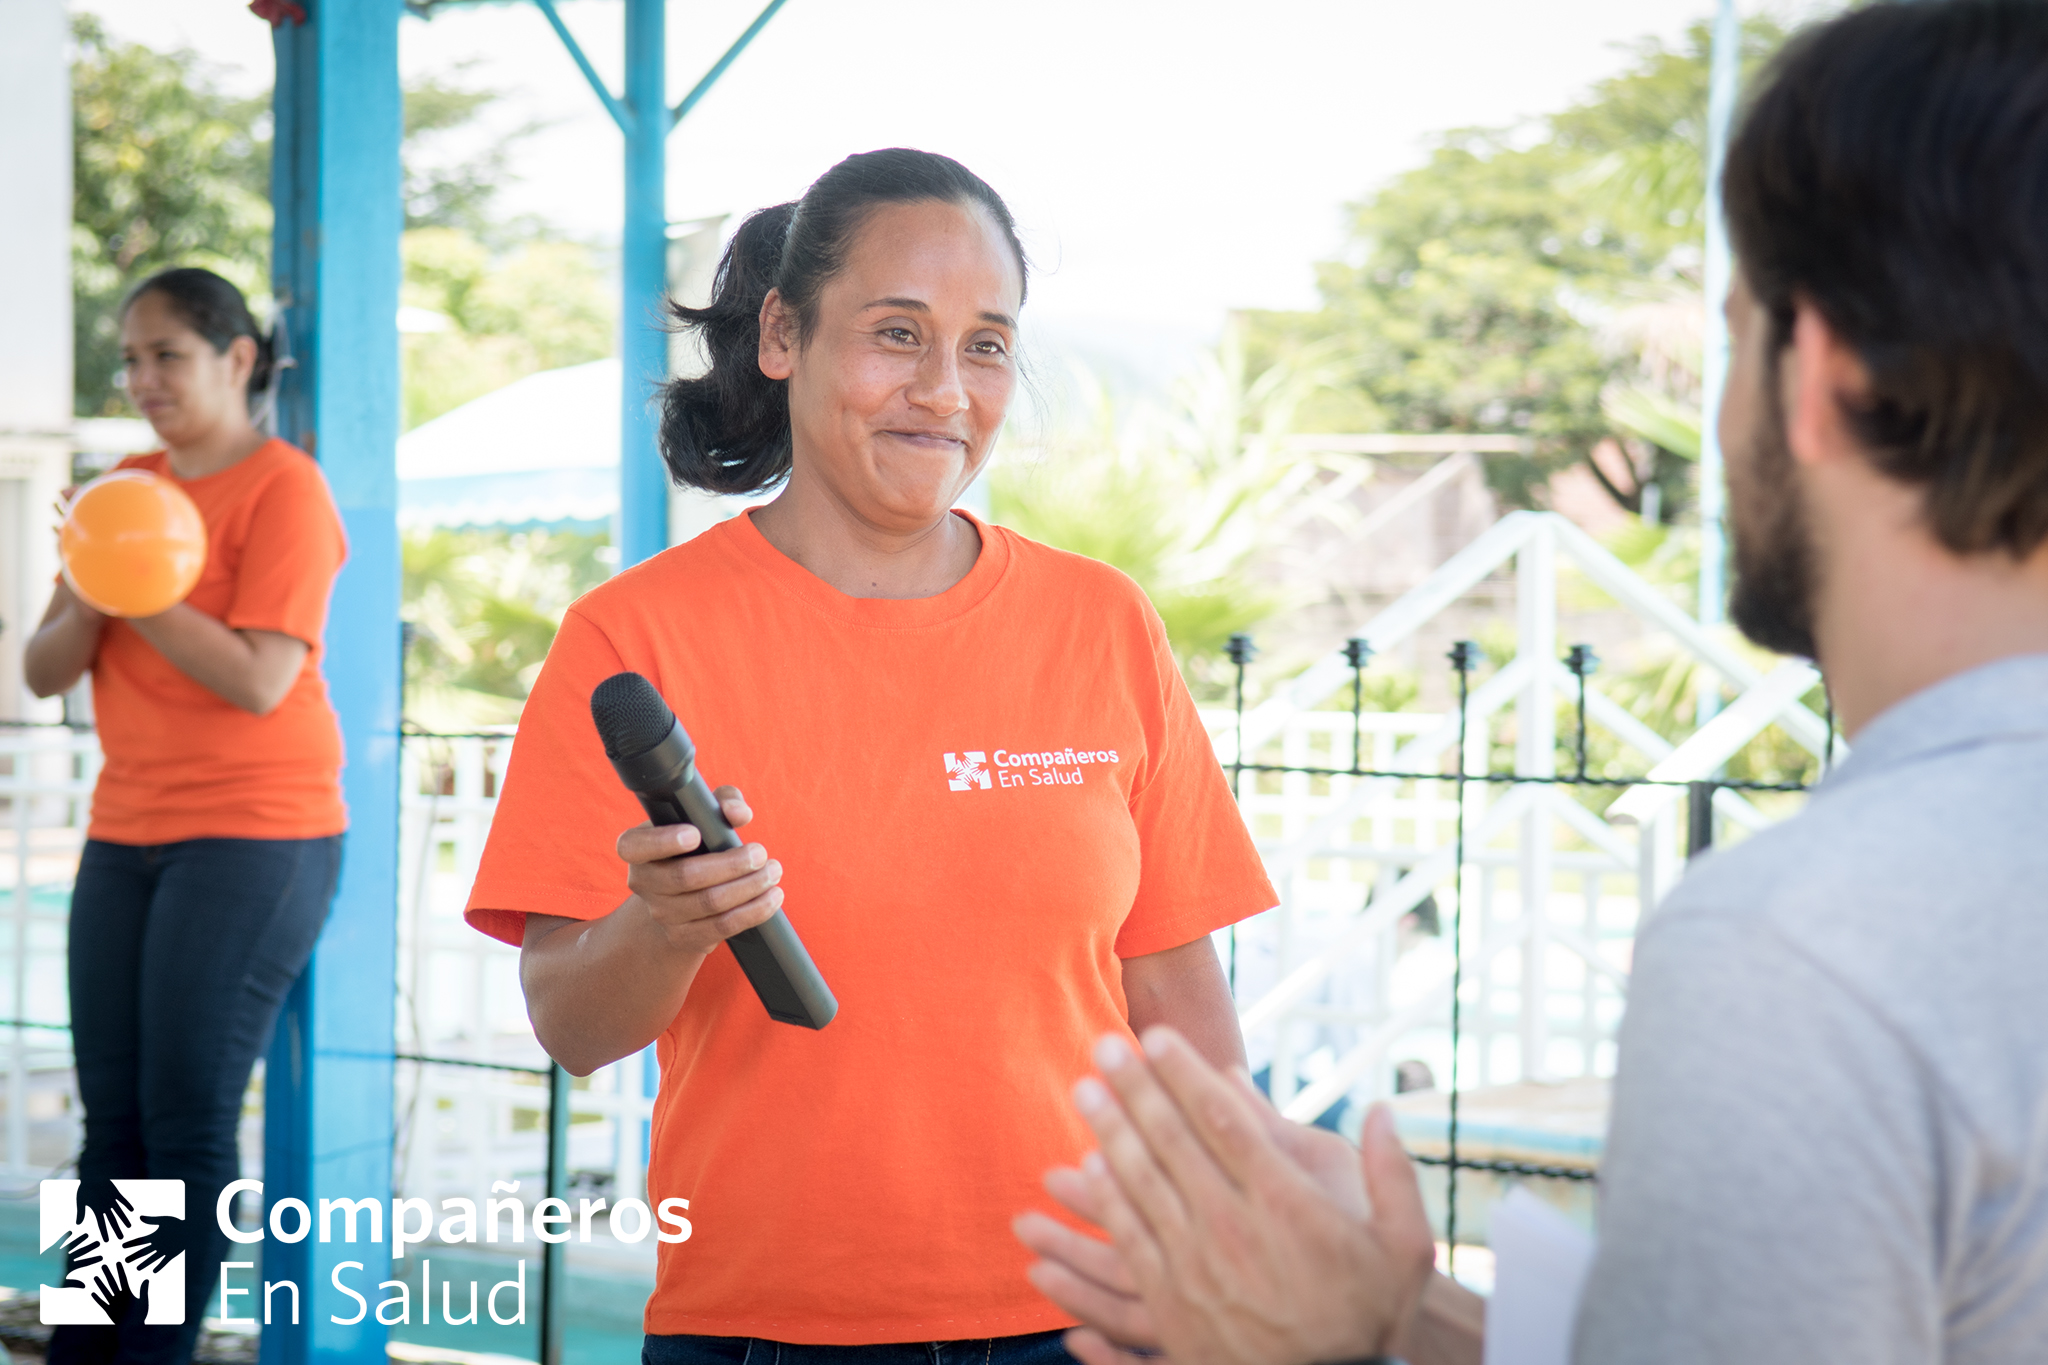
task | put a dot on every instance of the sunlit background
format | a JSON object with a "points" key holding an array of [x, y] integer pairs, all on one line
{"points": [[1349, 320]]}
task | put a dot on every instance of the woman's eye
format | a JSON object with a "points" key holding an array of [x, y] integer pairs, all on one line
{"points": [[989, 348], [901, 335]]}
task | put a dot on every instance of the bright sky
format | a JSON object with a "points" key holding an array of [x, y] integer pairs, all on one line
{"points": [[1168, 159]]}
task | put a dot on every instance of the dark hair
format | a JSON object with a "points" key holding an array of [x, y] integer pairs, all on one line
{"points": [[215, 309], [727, 431], [1893, 173]]}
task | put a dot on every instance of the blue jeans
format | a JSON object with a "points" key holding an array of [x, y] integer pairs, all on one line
{"points": [[1036, 1348], [180, 958]]}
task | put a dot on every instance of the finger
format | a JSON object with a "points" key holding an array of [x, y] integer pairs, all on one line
{"points": [[755, 912], [1076, 1193], [1138, 1174], [1157, 1123], [1120, 1317], [734, 806], [727, 878], [1397, 1210], [1090, 1347], [1084, 1255], [651, 843], [1229, 1128], [1141, 1249]]}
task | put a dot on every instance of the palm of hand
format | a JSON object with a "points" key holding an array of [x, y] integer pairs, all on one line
{"points": [[115, 1296], [1254, 1285], [158, 1247], [111, 1212]]}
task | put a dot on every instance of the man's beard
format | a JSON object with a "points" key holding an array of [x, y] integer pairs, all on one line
{"points": [[1772, 598]]}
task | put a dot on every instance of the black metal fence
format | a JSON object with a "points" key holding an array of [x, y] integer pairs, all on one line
{"points": [[1464, 657]]}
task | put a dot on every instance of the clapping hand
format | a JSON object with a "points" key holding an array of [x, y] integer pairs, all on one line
{"points": [[1236, 1237]]}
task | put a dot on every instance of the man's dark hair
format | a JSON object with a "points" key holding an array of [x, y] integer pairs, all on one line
{"points": [[1893, 173]]}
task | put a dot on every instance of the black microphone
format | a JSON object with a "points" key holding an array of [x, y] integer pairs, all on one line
{"points": [[658, 763]]}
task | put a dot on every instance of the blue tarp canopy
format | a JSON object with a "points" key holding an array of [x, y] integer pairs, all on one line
{"points": [[542, 451]]}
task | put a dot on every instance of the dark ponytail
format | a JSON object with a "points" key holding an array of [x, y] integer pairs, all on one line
{"points": [[215, 309], [727, 430]]}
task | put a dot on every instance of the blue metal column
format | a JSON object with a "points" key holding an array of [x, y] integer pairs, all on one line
{"points": [[335, 184], [643, 346], [1721, 89]]}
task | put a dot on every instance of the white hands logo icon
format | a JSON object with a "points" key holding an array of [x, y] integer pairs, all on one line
{"points": [[968, 770], [121, 1244]]}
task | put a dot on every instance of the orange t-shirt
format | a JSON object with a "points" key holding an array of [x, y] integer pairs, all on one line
{"points": [[982, 801], [182, 762]]}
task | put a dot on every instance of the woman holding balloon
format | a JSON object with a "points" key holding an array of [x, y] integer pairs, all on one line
{"points": [[216, 823]]}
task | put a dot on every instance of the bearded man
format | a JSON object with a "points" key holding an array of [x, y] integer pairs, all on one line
{"points": [[1829, 1139]]}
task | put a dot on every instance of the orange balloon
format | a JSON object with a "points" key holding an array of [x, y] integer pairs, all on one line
{"points": [[133, 543]]}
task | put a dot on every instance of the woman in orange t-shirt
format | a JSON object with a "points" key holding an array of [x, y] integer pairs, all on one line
{"points": [[216, 827], [982, 782]]}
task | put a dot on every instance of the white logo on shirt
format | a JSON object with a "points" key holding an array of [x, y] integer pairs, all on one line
{"points": [[1012, 768], [965, 772]]}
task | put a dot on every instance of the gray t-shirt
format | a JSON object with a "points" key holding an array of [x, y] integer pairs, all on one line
{"points": [[1830, 1129]]}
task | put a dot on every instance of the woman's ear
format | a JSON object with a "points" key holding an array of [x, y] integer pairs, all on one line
{"points": [[241, 362], [778, 337]]}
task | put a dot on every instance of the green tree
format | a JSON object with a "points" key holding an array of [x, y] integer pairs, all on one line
{"points": [[167, 171], [454, 170], [1189, 499], [1478, 286], [540, 306], [483, 606]]}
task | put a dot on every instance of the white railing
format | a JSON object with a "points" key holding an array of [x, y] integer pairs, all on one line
{"points": [[1333, 991], [459, 1127], [46, 778], [1334, 988]]}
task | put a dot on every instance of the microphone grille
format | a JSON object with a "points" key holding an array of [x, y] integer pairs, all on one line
{"points": [[631, 716]]}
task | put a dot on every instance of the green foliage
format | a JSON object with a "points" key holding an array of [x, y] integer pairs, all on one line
{"points": [[1477, 286], [1185, 500], [166, 171], [453, 171], [1656, 418], [484, 606], [538, 307]]}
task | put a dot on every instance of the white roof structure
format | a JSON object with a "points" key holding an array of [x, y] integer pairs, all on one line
{"points": [[542, 451]]}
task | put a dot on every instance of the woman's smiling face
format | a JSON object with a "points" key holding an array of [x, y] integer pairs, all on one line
{"points": [[182, 386], [897, 393]]}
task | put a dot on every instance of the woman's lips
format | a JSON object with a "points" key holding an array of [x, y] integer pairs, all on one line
{"points": [[929, 440]]}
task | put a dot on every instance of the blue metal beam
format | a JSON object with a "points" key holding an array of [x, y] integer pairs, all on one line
{"points": [[697, 91], [611, 103], [327, 1085], [643, 261]]}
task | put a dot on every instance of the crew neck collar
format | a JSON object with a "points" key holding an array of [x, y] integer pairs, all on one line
{"points": [[163, 457], [889, 613]]}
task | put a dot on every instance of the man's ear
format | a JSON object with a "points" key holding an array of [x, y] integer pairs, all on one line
{"points": [[778, 337], [1821, 378]]}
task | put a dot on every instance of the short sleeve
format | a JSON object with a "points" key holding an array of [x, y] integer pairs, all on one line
{"points": [[1198, 869], [294, 549], [553, 845], [1770, 1186]]}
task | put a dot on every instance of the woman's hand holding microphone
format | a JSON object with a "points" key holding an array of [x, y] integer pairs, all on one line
{"points": [[701, 899]]}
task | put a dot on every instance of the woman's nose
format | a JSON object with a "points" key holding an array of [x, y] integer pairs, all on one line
{"points": [[938, 388]]}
